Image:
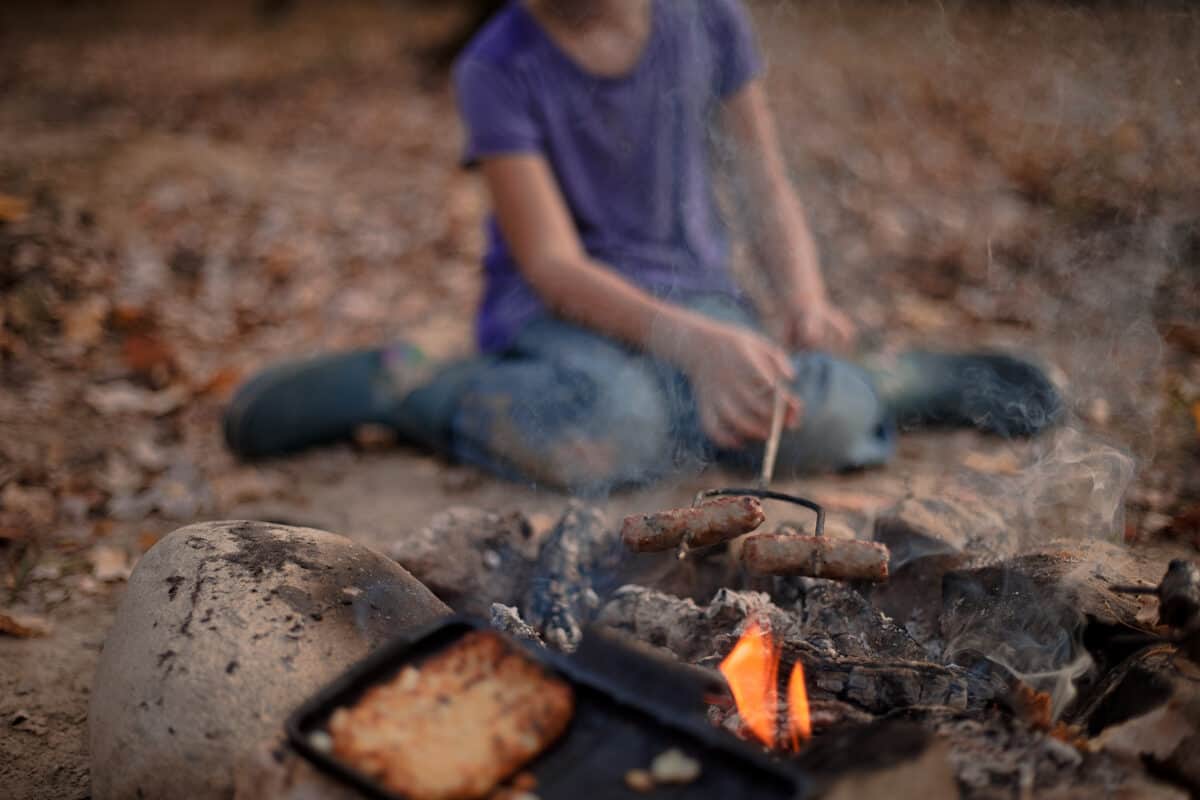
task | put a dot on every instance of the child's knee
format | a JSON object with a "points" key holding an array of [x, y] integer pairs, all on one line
{"points": [[568, 429], [625, 442], [845, 424]]}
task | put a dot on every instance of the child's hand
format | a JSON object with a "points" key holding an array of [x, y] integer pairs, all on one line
{"points": [[734, 373], [819, 326]]}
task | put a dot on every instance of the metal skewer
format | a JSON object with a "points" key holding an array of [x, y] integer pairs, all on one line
{"points": [[764, 476]]}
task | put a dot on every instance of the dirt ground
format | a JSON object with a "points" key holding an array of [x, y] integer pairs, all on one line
{"points": [[186, 195]]}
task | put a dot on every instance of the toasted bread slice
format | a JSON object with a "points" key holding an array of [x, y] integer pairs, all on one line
{"points": [[455, 727]]}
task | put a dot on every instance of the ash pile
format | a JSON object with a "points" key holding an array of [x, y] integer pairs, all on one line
{"points": [[926, 651]]}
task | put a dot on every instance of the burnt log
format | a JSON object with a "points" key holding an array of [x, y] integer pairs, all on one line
{"points": [[1178, 603], [1148, 710], [1050, 613], [694, 633], [840, 620], [580, 554], [507, 619], [873, 684], [1139, 684], [1179, 596], [880, 686], [831, 617]]}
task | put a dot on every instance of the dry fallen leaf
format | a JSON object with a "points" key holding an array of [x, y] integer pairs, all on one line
{"points": [[247, 485], [83, 322], [128, 317], [1156, 734], [221, 383], [149, 454], [920, 314], [124, 398], [36, 503], [109, 563], [11, 533], [13, 209], [147, 354], [1033, 706], [23, 626]]}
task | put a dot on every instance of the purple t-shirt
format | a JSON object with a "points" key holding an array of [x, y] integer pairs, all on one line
{"points": [[632, 155]]}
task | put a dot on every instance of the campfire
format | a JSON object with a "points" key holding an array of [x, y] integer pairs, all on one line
{"points": [[752, 671], [806, 660]]}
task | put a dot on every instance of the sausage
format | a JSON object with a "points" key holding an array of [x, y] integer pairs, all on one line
{"points": [[815, 557], [712, 521]]}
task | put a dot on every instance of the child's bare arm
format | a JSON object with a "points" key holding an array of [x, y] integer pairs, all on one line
{"points": [[732, 369], [780, 229]]}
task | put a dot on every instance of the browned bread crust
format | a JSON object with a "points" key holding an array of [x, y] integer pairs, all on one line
{"points": [[453, 728]]}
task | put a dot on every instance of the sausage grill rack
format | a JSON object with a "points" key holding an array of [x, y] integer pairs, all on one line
{"points": [[685, 546]]}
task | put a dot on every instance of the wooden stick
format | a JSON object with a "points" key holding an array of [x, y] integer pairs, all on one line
{"points": [[772, 449], [815, 557], [707, 523]]}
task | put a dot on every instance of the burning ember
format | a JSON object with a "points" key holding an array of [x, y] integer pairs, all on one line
{"points": [[752, 671]]}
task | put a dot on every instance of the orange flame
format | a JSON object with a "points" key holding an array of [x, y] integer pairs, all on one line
{"points": [[752, 671], [799, 723]]}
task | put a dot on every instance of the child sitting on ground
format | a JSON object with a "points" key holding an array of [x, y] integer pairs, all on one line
{"points": [[615, 346]]}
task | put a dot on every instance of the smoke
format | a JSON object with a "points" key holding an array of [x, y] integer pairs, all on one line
{"points": [[1006, 618], [1076, 489]]}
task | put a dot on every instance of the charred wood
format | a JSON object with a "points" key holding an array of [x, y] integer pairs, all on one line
{"points": [[874, 684], [1179, 596], [1033, 614], [693, 633], [507, 619], [1148, 710], [580, 554], [851, 625]]}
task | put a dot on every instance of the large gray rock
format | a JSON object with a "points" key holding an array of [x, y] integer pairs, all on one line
{"points": [[225, 627]]}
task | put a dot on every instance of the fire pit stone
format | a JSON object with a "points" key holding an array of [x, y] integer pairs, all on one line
{"points": [[224, 628]]}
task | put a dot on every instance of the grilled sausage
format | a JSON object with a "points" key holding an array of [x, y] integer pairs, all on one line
{"points": [[712, 521], [815, 557]]}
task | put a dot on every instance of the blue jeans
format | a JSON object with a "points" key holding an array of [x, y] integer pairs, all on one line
{"points": [[568, 407]]}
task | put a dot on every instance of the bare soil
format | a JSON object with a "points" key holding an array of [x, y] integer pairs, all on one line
{"points": [[189, 194]]}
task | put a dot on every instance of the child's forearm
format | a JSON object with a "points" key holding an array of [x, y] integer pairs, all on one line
{"points": [[595, 296], [786, 245]]}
